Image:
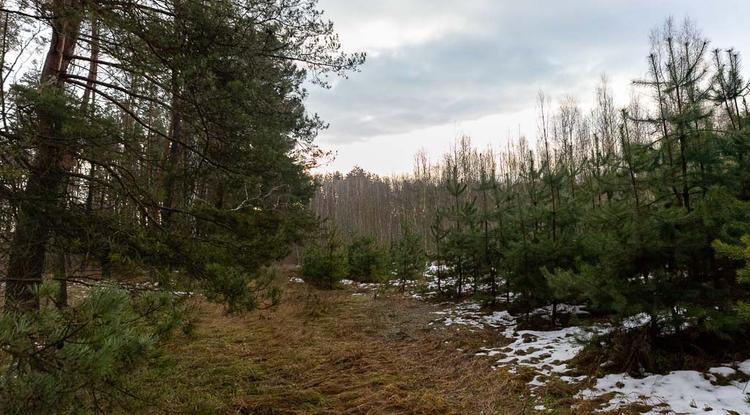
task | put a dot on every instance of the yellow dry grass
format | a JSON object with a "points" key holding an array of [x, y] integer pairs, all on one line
{"points": [[333, 353]]}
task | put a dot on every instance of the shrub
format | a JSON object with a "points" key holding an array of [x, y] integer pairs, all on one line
{"points": [[367, 261], [325, 263], [81, 359], [407, 256]]}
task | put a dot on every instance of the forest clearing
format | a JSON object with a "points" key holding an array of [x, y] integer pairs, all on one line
{"points": [[348, 351], [238, 207]]}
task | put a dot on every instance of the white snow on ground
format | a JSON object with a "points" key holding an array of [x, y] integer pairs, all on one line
{"points": [[182, 293], [545, 351], [371, 286], [643, 319], [433, 268], [636, 321], [723, 371], [468, 314], [744, 367], [546, 312], [367, 286], [447, 285], [683, 392]]}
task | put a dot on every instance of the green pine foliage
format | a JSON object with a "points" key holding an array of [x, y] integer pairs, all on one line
{"points": [[166, 141], [325, 262], [367, 261], [615, 208], [407, 256], [618, 210], [81, 359], [738, 253]]}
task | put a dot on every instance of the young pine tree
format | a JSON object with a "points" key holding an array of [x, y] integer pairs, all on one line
{"points": [[407, 256], [367, 261], [324, 263]]}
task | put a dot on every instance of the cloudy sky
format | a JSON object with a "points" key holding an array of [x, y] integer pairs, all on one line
{"points": [[440, 68]]}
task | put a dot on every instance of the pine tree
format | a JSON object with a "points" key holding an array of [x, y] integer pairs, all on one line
{"points": [[196, 159], [324, 263], [367, 261], [407, 256], [166, 140], [438, 257]]}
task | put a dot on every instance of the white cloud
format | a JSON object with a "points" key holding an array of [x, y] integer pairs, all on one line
{"points": [[438, 68], [381, 35], [387, 25]]}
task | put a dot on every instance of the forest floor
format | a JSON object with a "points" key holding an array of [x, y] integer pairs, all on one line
{"points": [[347, 351]]}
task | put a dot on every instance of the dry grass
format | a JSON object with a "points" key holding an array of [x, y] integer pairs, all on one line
{"points": [[334, 353], [329, 352]]}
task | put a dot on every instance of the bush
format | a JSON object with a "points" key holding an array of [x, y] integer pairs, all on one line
{"points": [[407, 256], [229, 285], [81, 359], [367, 261], [325, 263]]}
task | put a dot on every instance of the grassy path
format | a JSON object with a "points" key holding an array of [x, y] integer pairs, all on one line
{"points": [[335, 353]]}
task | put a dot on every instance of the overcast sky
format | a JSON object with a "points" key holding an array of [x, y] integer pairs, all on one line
{"points": [[440, 68]]}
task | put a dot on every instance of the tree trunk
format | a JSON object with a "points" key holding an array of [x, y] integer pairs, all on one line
{"points": [[42, 196], [173, 154], [61, 276]]}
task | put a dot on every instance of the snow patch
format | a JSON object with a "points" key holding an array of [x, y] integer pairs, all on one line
{"points": [[744, 367], [575, 310], [547, 351], [723, 371], [548, 354], [544, 351], [683, 391], [636, 321]]}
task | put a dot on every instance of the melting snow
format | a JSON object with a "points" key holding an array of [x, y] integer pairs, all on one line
{"points": [[546, 312], [469, 314], [636, 321], [546, 351], [722, 371], [683, 391]]}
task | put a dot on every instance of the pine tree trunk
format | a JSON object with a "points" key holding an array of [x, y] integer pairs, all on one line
{"points": [[61, 276], [173, 154], [42, 196]]}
